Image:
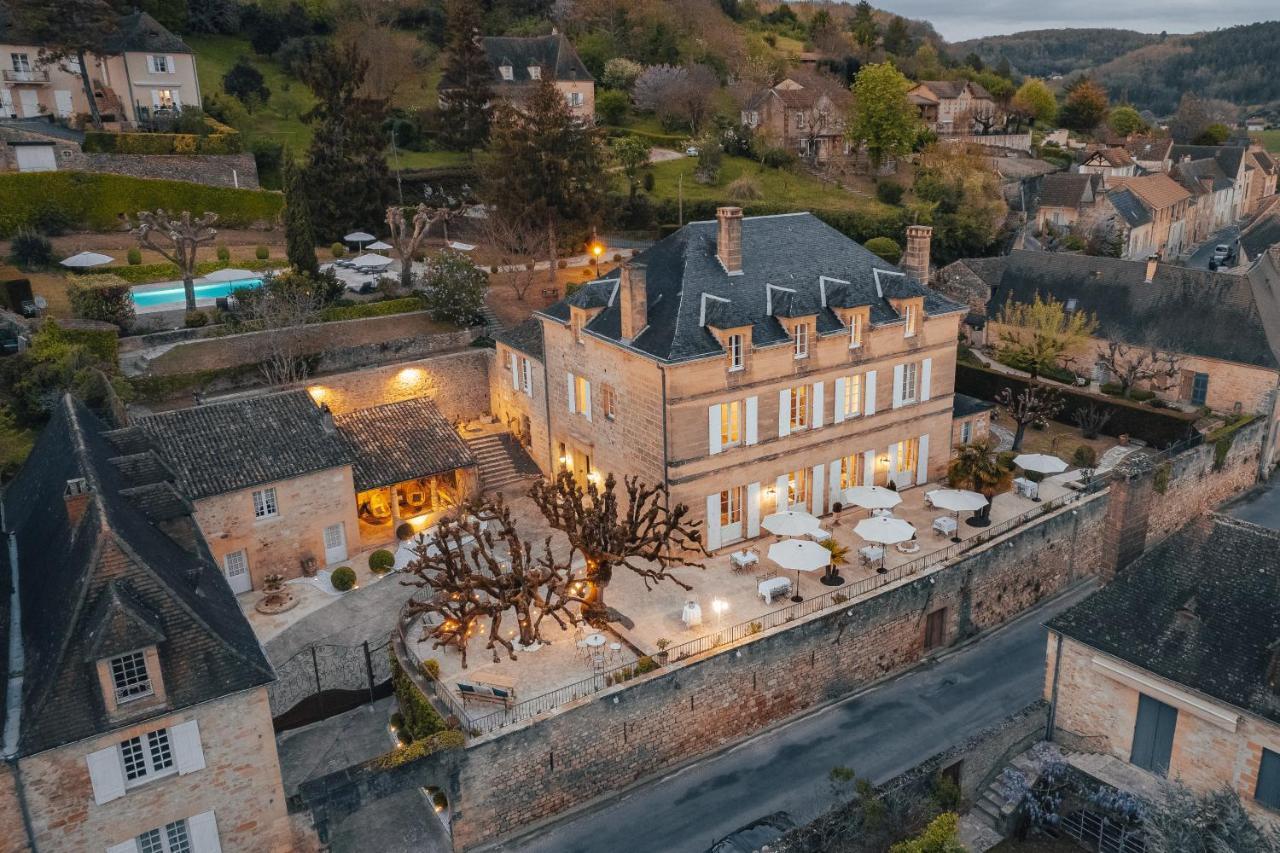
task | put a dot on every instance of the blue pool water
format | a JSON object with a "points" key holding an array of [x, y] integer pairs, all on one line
{"points": [[174, 295]]}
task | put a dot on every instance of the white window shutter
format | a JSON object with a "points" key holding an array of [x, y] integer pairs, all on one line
{"points": [[833, 482], [893, 461], [203, 829], [155, 98], [781, 502], [922, 462], [753, 410], [515, 371], [818, 482], [573, 406], [926, 368], [713, 522], [898, 370], [837, 413], [171, 64], [186, 746], [753, 510], [869, 468], [106, 774], [528, 377], [784, 413], [869, 394], [130, 846], [586, 397], [815, 411], [713, 429]]}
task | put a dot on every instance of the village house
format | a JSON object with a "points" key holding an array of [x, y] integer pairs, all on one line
{"points": [[1222, 329], [1154, 213], [146, 71], [1262, 232], [1170, 672], [517, 63], [1064, 196], [970, 419], [1151, 153], [136, 712], [954, 106], [279, 485], [752, 364], [518, 389], [1108, 161], [807, 120]]}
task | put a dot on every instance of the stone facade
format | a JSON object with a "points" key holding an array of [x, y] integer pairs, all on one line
{"points": [[457, 382], [240, 784], [213, 170], [518, 394], [1097, 706]]}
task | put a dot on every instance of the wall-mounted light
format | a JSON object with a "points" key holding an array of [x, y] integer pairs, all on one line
{"points": [[318, 393]]}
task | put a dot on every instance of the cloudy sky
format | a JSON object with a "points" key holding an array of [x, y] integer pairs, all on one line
{"points": [[962, 19]]}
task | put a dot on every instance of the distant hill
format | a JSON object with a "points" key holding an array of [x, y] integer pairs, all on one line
{"points": [[1237, 64]]}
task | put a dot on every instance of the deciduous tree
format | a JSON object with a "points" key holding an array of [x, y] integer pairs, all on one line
{"points": [[407, 235], [1036, 402], [74, 29], [1040, 335], [454, 288], [1086, 106], [1125, 120], [176, 239], [1128, 365], [882, 120], [632, 154]]}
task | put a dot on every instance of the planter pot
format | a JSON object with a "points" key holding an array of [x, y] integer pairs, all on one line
{"points": [[276, 602]]}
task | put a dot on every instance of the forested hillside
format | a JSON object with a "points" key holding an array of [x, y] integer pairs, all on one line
{"points": [[1043, 53]]}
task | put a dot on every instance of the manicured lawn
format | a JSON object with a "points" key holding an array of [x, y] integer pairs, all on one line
{"points": [[428, 159], [777, 186], [1269, 138], [15, 444]]}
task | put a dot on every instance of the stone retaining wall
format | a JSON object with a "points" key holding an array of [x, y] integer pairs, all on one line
{"points": [[213, 170]]}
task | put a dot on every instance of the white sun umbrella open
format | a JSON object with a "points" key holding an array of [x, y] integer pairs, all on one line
{"points": [[371, 260], [230, 274], [799, 555], [791, 523], [359, 238], [871, 497], [884, 530], [957, 501], [1040, 463], [379, 246], [85, 260]]}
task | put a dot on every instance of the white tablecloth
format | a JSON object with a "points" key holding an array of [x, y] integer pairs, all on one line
{"points": [[691, 615], [946, 525], [1025, 487], [772, 588], [871, 553]]}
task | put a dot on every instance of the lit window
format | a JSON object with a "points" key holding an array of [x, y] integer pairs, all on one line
{"points": [[851, 470], [966, 432], [801, 339], [855, 331], [147, 756], [506, 72], [853, 396], [799, 407], [798, 485], [730, 424], [731, 507], [910, 382], [911, 316], [535, 72], [129, 677], [581, 396], [264, 503], [735, 352], [170, 838], [608, 403], [908, 452]]}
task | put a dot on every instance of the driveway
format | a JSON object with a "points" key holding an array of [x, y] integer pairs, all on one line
{"points": [[879, 733]]}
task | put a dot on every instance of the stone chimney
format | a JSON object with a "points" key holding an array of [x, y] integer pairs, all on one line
{"points": [[915, 260], [729, 241], [76, 496], [326, 419], [1152, 262], [633, 299]]}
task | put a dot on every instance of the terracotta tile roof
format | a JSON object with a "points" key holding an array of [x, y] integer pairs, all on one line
{"points": [[1156, 191]]}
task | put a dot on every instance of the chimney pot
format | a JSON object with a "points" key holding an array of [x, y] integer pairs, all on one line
{"points": [[1152, 262], [915, 260], [729, 240], [76, 496], [633, 299]]}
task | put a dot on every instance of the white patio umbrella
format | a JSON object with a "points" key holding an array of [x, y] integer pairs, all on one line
{"points": [[871, 497], [1039, 463], [84, 260], [230, 274], [957, 501], [799, 555], [359, 238], [790, 523], [371, 260], [379, 246], [884, 530]]}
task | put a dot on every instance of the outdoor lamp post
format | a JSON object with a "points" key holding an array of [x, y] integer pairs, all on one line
{"points": [[719, 606], [597, 249]]}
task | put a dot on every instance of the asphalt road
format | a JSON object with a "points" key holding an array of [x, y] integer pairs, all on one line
{"points": [[879, 734], [1260, 506], [1200, 258]]}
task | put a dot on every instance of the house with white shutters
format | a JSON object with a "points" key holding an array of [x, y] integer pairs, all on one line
{"points": [[752, 364], [136, 712]]}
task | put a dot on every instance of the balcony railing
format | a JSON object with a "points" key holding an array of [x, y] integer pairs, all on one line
{"points": [[34, 75]]}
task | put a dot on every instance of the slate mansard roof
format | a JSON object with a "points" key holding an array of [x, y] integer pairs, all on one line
{"points": [[790, 262], [115, 582], [1195, 312], [526, 337], [136, 32], [1201, 609], [402, 441], [553, 54]]}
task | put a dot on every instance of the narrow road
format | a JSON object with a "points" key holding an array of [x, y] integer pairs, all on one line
{"points": [[879, 734], [1200, 257]]}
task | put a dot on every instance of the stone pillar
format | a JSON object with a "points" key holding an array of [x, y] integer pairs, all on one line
{"points": [[915, 260], [729, 239], [633, 299], [1128, 516]]}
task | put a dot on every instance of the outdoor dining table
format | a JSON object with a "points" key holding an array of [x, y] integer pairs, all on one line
{"points": [[595, 641], [691, 616]]}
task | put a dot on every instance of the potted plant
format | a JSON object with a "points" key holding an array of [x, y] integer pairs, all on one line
{"points": [[977, 466], [275, 598], [662, 643], [839, 556]]}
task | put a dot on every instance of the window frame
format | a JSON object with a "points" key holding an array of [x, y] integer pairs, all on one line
{"points": [[507, 72], [731, 504], [158, 63], [535, 72], [852, 470], [799, 482], [855, 386], [147, 748], [800, 341], [608, 402], [800, 404], [910, 319], [124, 677], [1265, 771], [855, 331], [581, 402], [164, 838], [910, 380], [731, 432], [966, 431], [266, 503], [735, 346]]}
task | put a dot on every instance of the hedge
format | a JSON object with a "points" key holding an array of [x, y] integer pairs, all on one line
{"points": [[97, 202], [143, 273], [371, 309], [421, 719], [222, 140], [1157, 427]]}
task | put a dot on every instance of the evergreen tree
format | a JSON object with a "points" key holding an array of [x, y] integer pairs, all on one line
{"points": [[864, 29], [465, 100], [300, 240], [897, 38], [1086, 106], [346, 178], [544, 166]]}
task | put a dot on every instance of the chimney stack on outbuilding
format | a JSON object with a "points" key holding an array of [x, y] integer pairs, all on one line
{"points": [[633, 299], [76, 496], [1153, 261], [326, 419], [915, 260], [729, 240]]}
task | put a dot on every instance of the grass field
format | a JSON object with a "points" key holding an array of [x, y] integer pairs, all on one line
{"points": [[1269, 138], [428, 159], [777, 186]]}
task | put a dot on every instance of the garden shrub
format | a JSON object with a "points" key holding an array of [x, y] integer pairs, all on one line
{"points": [[213, 138], [134, 256], [745, 188], [645, 664], [195, 319], [455, 288], [1110, 388], [1161, 480], [144, 273], [885, 247], [404, 532], [381, 561], [343, 578], [97, 201], [338, 250], [431, 668], [1084, 457], [1141, 394], [101, 297], [262, 253], [889, 192], [421, 719], [30, 250], [224, 254]]}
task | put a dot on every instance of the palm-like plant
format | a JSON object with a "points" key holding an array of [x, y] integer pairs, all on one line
{"points": [[977, 466]]}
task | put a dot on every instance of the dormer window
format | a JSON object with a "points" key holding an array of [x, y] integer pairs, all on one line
{"points": [[800, 338], [855, 331], [735, 347], [911, 319], [129, 677], [507, 72], [535, 72]]}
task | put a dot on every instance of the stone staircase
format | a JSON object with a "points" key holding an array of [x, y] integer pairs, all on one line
{"points": [[502, 461], [985, 824], [492, 325]]}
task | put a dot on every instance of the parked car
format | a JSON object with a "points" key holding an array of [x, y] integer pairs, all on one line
{"points": [[691, 151], [1221, 252]]}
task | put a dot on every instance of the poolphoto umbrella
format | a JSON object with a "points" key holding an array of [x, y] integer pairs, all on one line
{"points": [[1039, 463], [379, 246], [871, 497], [957, 501], [884, 530], [790, 523], [799, 555], [371, 260], [359, 238], [85, 260], [230, 275]]}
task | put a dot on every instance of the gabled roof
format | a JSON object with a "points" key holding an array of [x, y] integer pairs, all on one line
{"points": [[225, 447], [526, 337], [784, 259], [1156, 191], [1063, 189], [397, 442], [1130, 208], [110, 583], [1201, 609], [1195, 312], [141, 33], [1192, 173], [953, 88], [962, 406], [1109, 156], [1263, 232], [1148, 148], [553, 54], [1228, 156]]}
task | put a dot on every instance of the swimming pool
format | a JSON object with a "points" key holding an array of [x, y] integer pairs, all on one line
{"points": [[171, 294]]}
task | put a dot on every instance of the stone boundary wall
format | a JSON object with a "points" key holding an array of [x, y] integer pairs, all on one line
{"points": [[213, 170], [457, 382]]}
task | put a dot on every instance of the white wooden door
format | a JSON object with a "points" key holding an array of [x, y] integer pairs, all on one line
{"points": [[236, 565], [35, 158], [6, 104], [335, 544], [62, 101], [731, 515], [30, 101]]}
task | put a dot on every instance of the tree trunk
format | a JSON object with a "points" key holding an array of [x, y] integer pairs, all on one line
{"points": [[189, 288], [594, 609], [1017, 436], [551, 251], [406, 272], [94, 115]]}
